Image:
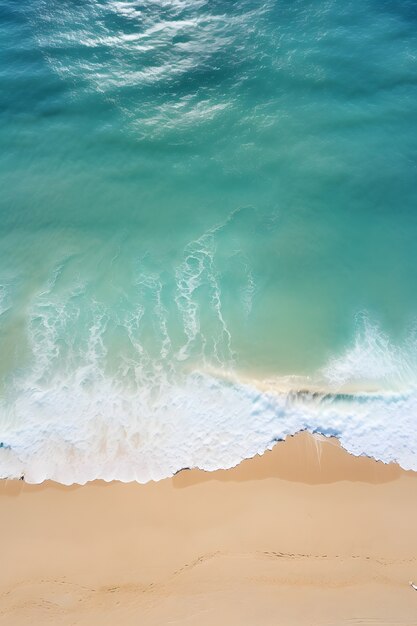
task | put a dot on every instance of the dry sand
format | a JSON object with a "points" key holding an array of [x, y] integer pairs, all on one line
{"points": [[305, 534]]}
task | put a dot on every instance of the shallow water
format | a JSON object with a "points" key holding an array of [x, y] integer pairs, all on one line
{"points": [[205, 206]]}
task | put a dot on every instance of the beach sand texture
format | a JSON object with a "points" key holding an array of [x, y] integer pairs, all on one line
{"points": [[305, 534]]}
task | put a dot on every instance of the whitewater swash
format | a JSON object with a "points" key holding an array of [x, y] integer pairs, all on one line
{"points": [[205, 421]]}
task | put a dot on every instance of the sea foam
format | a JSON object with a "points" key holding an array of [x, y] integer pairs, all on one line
{"points": [[77, 429], [118, 395]]}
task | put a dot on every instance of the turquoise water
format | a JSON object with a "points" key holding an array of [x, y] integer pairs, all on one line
{"points": [[206, 206]]}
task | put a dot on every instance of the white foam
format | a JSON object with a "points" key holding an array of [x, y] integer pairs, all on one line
{"points": [[75, 412], [374, 360], [248, 292], [70, 418], [196, 271], [4, 299], [72, 433]]}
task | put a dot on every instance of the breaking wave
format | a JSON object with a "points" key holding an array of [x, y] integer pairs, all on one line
{"points": [[87, 406]]}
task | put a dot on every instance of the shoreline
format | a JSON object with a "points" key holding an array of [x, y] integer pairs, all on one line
{"points": [[305, 533], [219, 428], [315, 438]]}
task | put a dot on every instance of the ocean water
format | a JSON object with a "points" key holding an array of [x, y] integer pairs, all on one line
{"points": [[208, 224]]}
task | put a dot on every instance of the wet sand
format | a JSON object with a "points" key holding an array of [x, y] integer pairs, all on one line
{"points": [[305, 534]]}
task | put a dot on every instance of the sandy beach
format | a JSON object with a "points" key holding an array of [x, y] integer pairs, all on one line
{"points": [[305, 534]]}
